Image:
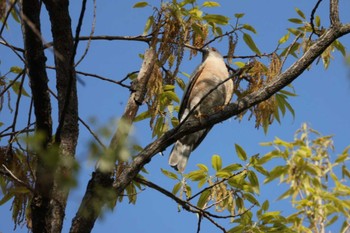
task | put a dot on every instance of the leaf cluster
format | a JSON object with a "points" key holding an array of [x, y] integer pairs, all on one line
{"points": [[317, 183]]}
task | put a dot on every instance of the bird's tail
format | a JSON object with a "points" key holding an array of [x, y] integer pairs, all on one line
{"points": [[179, 156]]}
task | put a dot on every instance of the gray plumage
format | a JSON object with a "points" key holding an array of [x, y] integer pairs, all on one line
{"points": [[206, 77]]}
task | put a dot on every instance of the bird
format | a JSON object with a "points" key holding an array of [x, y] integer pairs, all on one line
{"points": [[205, 94]]}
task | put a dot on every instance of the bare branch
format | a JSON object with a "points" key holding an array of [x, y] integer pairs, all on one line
{"points": [[16, 179], [91, 34], [334, 12], [6, 16], [313, 17], [184, 204], [94, 135], [11, 46], [14, 49], [221, 36]]}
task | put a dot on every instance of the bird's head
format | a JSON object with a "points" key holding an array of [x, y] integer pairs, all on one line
{"points": [[209, 51]]}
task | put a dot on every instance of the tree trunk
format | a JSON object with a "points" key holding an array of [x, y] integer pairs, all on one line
{"points": [[35, 62], [67, 131]]}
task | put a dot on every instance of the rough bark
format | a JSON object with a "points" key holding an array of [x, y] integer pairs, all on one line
{"points": [[35, 62], [67, 130]]}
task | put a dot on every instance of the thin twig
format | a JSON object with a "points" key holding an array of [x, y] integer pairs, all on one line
{"points": [[85, 124], [91, 34], [4, 23], [16, 179], [213, 185], [12, 48], [220, 36], [14, 122], [200, 217], [25, 130], [186, 204], [288, 51], [13, 82], [102, 78], [251, 56], [217, 202], [313, 17]]}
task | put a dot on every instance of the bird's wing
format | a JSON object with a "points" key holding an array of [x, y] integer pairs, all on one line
{"points": [[189, 88]]}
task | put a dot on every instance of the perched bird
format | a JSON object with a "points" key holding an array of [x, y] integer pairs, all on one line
{"points": [[206, 78]]}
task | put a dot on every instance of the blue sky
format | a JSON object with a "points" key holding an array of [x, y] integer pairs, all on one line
{"points": [[322, 102]]}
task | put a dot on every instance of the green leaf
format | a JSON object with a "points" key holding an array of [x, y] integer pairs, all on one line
{"points": [[16, 69], [284, 38], [15, 15], [290, 108], [176, 188], [142, 116], [253, 179], [169, 174], [249, 41], [275, 173], [203, 199], [249, 28], [332, 220], [203, 167], [196, 12], [295, 20], [196, 175], [181, 83], [251, 199], [239, 64], [6, 198], [232, 167], [281, 103], [288, 93], [219, 19], [168, 88], [148, 25], [300, 13], [265, 206], [223, 174], [174, 121], [140, 4], [239, 15], [317, 21], [210, 4], [240, 152], [340, 47], [294, 31], [216, 162], [171, 96], [16, 88], [341, 158], [159, 127]]}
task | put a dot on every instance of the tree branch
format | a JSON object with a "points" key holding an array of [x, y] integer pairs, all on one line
{"points": [[232, 109], [313, 16], [334, 12], [86, 216], [35, 61], [67, 131], [186, 205]]}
